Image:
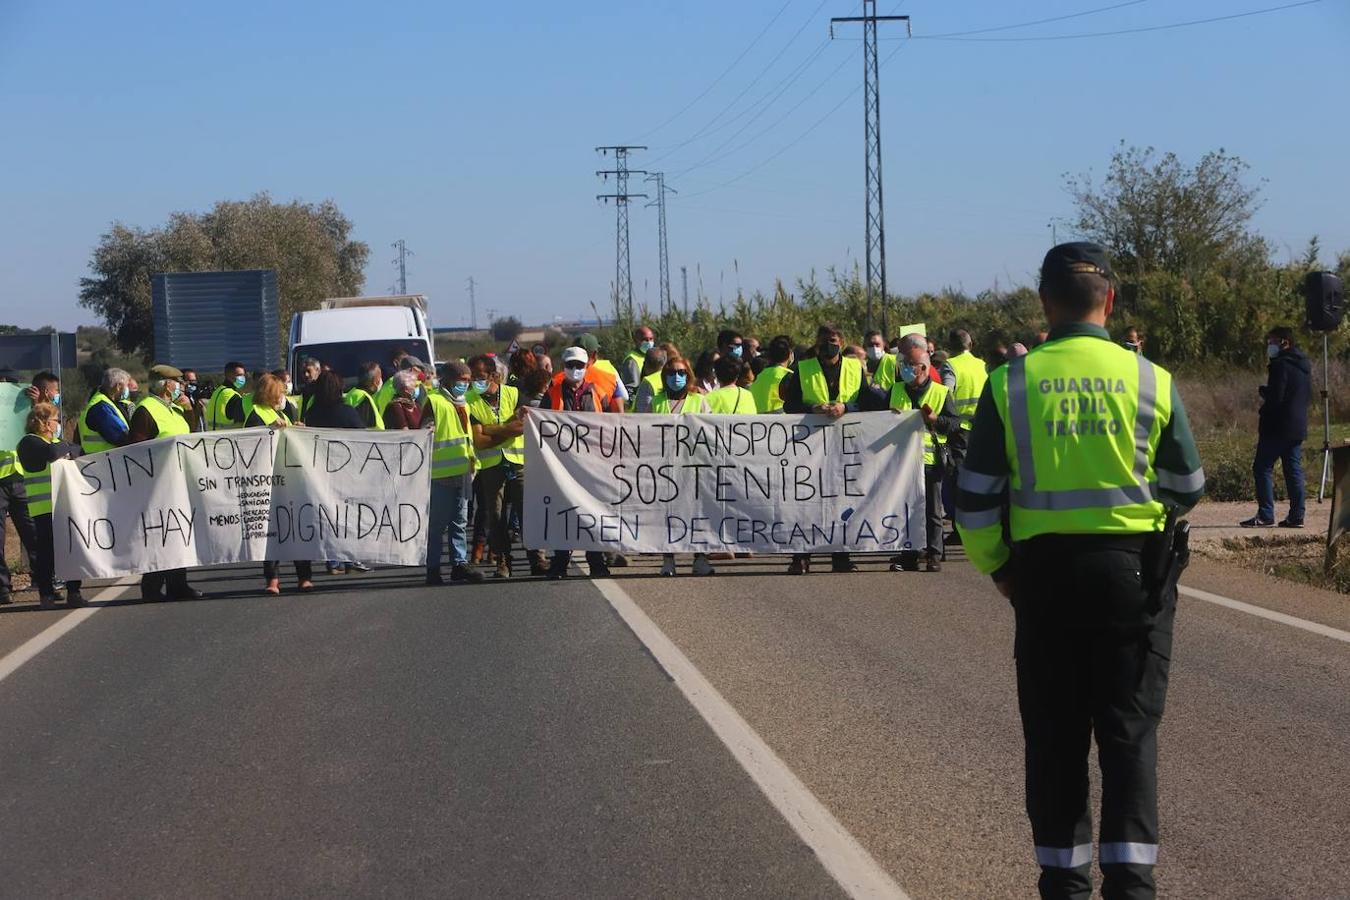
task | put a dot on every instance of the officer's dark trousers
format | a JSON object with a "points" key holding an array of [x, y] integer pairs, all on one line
{"points": [[1091, 662], [14, 503], [932, 507]]}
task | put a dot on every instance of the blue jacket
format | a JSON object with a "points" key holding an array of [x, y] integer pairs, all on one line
{"points": [[1288, 390]]}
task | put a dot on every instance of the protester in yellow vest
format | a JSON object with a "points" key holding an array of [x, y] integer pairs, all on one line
{"points": [[160, 414], [103, 425], [971, 375], [498, 424], [591, 345], [630, 370], [649, 385], [675, 398], [362, 397], [37, 450], [826, 384], [452, 461], [768, 383], [916, 389], [730, 398], [14, 506], [225, 409]]}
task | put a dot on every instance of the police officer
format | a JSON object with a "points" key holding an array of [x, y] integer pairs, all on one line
{"points": [[1079, 449]]}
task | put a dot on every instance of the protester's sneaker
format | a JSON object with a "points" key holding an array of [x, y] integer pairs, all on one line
{"points": [[1256, 522], [842, 567], [934, 563], [357, 567], [75, 599], [1291, 523], [464, 575], [434, 579], [335, 568], [702, 566], [799, 566], [600, 570], [503, 567], [668, 564], [47, 601], [905, 561]]}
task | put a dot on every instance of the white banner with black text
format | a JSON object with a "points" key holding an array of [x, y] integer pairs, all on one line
{"points": [[705, 483], [243, 496]]}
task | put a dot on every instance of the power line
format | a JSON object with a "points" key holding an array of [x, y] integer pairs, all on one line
{"points": [[1077, 15], [1148, 28], [725, 72], [711, 125]]}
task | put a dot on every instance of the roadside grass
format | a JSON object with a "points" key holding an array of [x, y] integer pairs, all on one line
{"points": [[1297, 558]]}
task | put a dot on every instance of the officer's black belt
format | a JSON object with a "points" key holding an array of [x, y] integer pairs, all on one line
{"points": [[1077, 543]]}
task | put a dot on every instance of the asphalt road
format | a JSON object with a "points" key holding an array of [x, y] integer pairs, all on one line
{"points": [[382, 738]]}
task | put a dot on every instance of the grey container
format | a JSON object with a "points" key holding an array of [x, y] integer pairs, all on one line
{"points": [[206, 319]]}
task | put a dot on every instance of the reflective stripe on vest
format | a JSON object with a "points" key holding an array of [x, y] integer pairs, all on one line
{"points": [[970, 379], [169, 419], [731, 400], [765, 388], [816, 390], [1083, 396], [90, 440], [39, 487], [357, 396], [692, 403], [482, 412], [9, 464], [452, 446], [216, 417], [933, 397]]}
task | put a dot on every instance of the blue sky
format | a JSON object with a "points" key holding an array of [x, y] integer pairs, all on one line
{"points": [[468, 130]]}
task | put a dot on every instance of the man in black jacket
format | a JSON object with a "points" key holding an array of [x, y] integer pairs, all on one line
{"points": [[1282, 429]]}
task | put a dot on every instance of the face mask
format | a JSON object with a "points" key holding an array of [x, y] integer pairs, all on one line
{"points": [[1131, 345], [435, 383], [574, 375], [645, 346], [126, 394], [290, 388], [676, 381], [56, 398], [1272, 350], [459, 388], [480, 386], [829, 351], [417, 393], [907, 374], [281, 404], [874, 353], [177, 392], [737, 350], [239, 381]]}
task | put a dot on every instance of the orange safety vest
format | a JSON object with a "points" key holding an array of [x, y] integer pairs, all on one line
{"points": [[597, 389]]}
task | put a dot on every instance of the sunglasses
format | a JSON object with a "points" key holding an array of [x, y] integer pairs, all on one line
{"points": [[574, 365]]}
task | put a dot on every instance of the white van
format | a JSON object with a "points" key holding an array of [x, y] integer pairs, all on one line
{"points": [[346, 332]]}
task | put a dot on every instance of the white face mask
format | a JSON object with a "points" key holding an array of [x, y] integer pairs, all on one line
{"points": [[574, 375], [875, 353]]}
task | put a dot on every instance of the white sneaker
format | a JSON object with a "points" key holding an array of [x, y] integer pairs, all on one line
{"points": [[668, 564], [702, 566]]}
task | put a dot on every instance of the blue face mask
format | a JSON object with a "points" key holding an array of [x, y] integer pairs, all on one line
{"points": [[239, 381], [907, 374], [56, 398], [737, 350], [177, 392], [417, 393], [459, 388], [676, 381], [1272, 351], [645, 346], [126, 393], [480, 386]]}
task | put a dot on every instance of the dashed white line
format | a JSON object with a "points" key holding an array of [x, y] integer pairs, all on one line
{"points": [[846, 860], [1262, 612]]}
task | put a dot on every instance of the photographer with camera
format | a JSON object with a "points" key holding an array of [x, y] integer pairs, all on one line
{"points": [[194, 400]]}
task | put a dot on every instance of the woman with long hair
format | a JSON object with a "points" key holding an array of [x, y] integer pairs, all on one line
{"points": [[37, 450]]}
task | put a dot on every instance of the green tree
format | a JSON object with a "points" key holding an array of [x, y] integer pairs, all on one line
{"points": [[308, 245], [507, 328]]}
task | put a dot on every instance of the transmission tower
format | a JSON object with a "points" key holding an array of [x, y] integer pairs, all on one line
{"points": [[402, 262], [473, 305], [875, 220], [684, 278], [623, 270], [660, 204]]}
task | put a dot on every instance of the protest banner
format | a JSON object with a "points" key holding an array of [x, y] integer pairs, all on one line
{"points": [[702, 483], [243, 496], [14, 407]]}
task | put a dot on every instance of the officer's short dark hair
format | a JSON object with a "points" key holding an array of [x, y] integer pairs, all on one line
{"points": [[780, 349], [232, 365], [873, 333], [959, 340], [1078, 294], [726, 336], [1282, 333], [369, 370], [43, 380], [728, 369], [828, 330]]}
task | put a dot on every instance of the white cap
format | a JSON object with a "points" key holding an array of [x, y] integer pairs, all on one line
{"points": [[575, 354]]}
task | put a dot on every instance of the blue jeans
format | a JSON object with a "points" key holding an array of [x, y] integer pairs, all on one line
{"points": [[449, 510], [1290, 454]]}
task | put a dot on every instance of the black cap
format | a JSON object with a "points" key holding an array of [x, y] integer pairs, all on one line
{"points": [[1075, 258]]}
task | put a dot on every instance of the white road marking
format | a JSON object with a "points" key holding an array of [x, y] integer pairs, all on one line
{"points": [[57, 630], [1262, 612], [847, 861]]}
